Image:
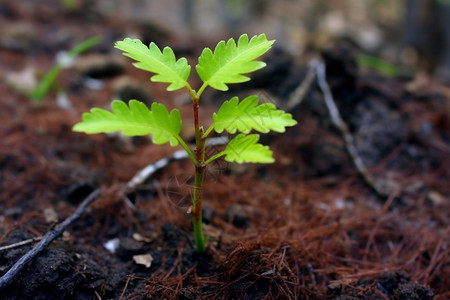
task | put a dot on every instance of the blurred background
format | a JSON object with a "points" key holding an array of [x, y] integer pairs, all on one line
{"points": [[413, 35]]}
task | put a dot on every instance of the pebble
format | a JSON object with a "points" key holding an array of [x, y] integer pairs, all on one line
{"points": [[128, 247], [100, 65], [112, 245], [208, 214], [143, 259], [126, 88], [17, 37], [237, 215]]}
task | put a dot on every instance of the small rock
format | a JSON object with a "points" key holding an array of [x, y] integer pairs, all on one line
{"points": [[13, 212], [112, 245], [23, 81], [17, 36], [126, 88], [334, 288], [237, 215], [129, 247], [153, 31], [78, 191], [100, 65], [84, 180], [207, 213], [144, 259], [435, 197], [50, 215], [140, 238]]}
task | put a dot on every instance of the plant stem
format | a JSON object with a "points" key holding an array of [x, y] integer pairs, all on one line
{"points": [[197, 208], [208, 131], [200, 168], [198, 133], [202, 88], [188, 150], [214, 157]]}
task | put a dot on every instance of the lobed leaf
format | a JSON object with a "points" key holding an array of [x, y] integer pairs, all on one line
{"points": [[229, 61], [135, 119], [164, 64], [245, 148], [247, 115]]}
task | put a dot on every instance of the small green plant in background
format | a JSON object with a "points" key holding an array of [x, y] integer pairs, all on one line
{"points": [[226, 64], [378, 64], [69, 5], [49, 81], [444, 2]]}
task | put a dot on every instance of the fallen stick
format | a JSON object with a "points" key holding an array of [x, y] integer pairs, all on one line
{"points": [[343, 128], [301, 91], [20, 244], [138, 179], [150, 169], [46, 240]]}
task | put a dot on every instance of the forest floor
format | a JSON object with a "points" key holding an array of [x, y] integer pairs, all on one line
{"points": [[305, 227]]}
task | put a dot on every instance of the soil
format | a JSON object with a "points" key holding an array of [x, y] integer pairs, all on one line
{"points": [[305, 227]]}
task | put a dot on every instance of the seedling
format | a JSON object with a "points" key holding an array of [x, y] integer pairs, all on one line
{"points": [[69, 5], [64, 60], [226, 64], [378, 64]]}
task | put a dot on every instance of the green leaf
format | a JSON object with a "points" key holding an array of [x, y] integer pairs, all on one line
{"points": [[84, 46], [132, 120], [248, 115], [229, 61], [164, 65], [45, 85], [378, 64], [245, 148], [49, 80]]}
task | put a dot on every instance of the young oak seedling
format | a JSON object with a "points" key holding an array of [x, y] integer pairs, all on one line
{"points": [[226, 64]]}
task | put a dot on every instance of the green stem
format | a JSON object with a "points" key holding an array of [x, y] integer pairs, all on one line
{"points": [[200, 168], [214, 157], [202, 88], [188, 150], [208, 131], [197, 208]]}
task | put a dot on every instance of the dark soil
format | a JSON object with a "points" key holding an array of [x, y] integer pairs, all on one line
{"points": [[306, 227]]}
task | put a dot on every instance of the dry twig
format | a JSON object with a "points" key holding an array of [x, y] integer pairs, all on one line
{"points": [[301, 91], [343, 128], [150, 169], [21, 243]]}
